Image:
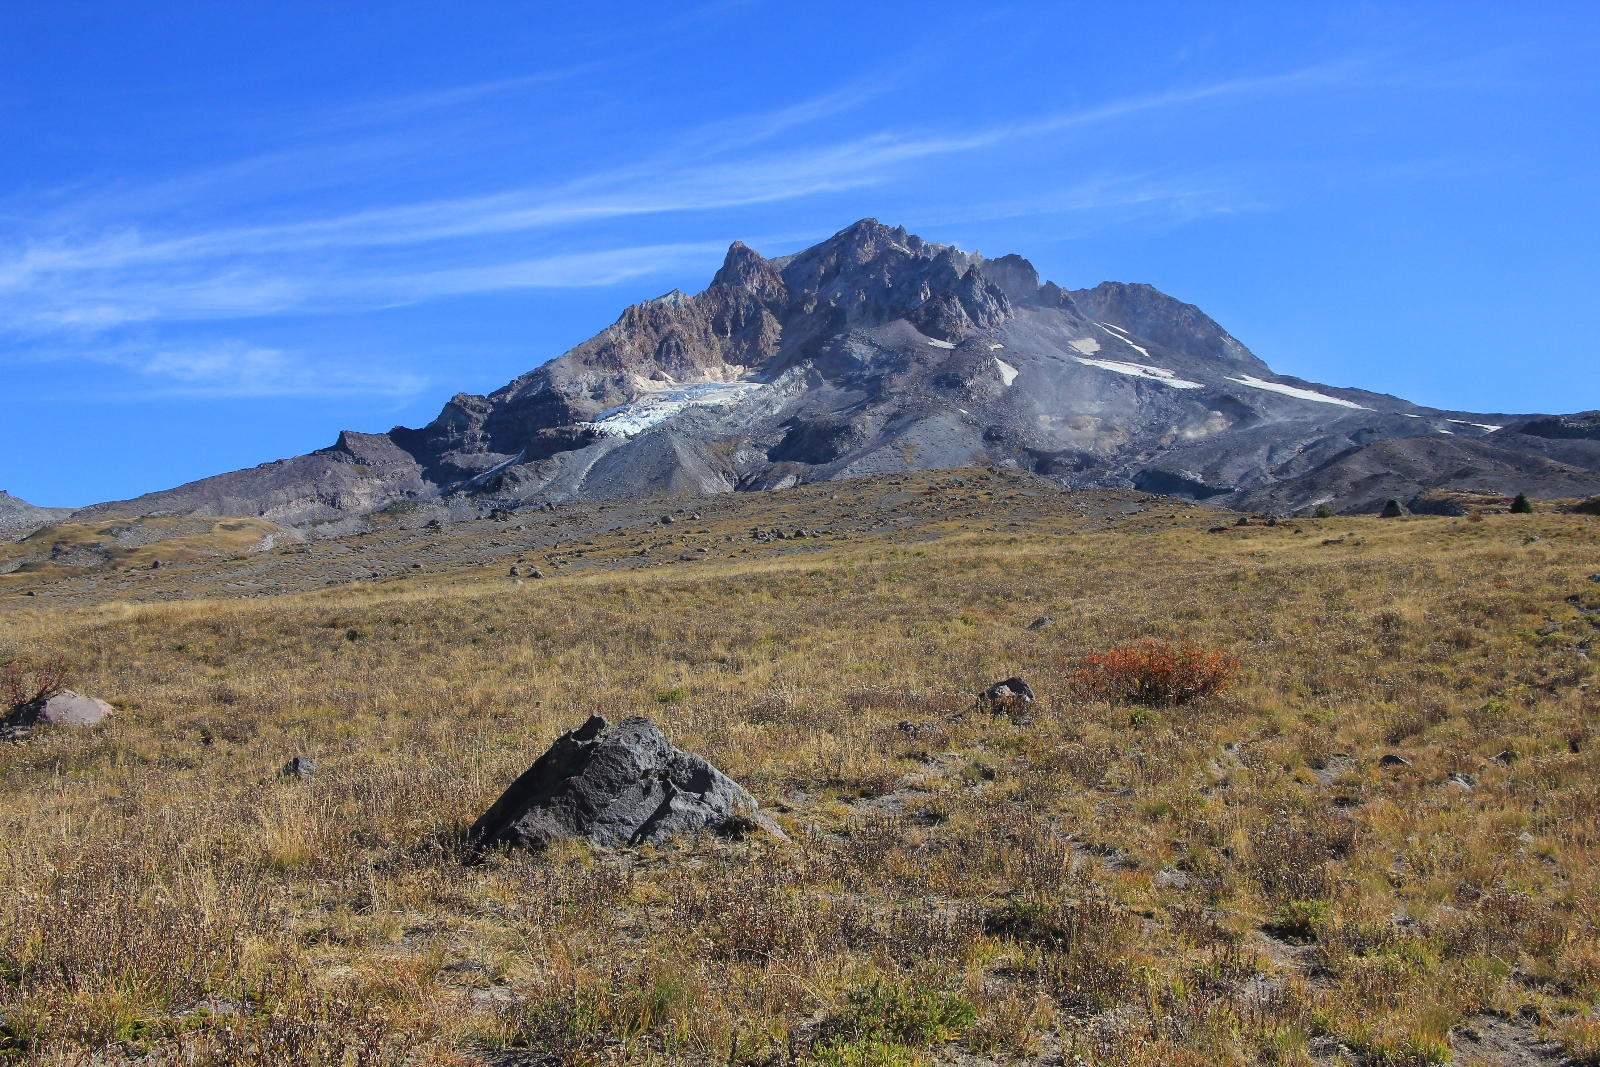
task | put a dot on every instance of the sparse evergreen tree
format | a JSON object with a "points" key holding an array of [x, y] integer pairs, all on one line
{"points": [[1323, 512], [1520, 506]]}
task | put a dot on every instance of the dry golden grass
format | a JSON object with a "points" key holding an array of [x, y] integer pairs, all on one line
{"points": [[957, 883], [130, 544]]}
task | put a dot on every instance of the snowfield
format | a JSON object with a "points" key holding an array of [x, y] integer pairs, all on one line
{"points": [[1139, 370], [627, 420], [1122, 335], [1008, 373], [1299, 394]]}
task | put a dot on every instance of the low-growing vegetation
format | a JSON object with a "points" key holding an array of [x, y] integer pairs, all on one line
{"points": [[1155, 674], [26, 679], [1189, 850]]}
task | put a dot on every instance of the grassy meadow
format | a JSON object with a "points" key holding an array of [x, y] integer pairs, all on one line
{"points": [[1239, 880]]}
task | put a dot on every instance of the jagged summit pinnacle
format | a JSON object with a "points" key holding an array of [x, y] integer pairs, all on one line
{"points": [[875, 351]]}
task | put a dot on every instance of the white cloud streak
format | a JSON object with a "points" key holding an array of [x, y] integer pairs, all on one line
{"points": [[234, 369], [80, 275], [658, 187]]}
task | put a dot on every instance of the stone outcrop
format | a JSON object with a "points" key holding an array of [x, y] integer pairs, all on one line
{"points": [[65, 709], [616, 785]]}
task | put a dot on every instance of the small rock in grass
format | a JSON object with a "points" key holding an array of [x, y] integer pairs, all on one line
{"points": [[1525, 837], [1594, 577], [516, 572], [1391, 760], [1009, 695], [536, 573], [1041, 623], [1171, 878], [1465, 782], [301, 767]]}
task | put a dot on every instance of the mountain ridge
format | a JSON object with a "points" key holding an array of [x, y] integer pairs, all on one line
{"points": [[875, 351]]}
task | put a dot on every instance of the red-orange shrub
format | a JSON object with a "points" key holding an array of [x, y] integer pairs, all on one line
{"points": [[25, 679], [1155, 674]]}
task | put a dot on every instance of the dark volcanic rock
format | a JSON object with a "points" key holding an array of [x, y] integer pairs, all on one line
{"points": [[1584, 425], [616, 785], [299, 767], [1009, 695]]}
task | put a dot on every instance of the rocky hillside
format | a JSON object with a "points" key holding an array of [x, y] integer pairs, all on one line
{"points": [[18, 518], [876, 352]]}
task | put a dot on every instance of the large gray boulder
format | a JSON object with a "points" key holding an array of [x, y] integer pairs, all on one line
{"points": [[616, 785], [66, 708]]}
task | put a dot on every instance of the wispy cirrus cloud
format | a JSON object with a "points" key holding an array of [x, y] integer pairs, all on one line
{"points": [[95, 268], [240, 369], [116, 298]]}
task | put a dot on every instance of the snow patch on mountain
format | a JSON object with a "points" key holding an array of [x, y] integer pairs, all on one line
{"points": [[1299, 394], [1140, 370], [1008, 373], [627, 420]]}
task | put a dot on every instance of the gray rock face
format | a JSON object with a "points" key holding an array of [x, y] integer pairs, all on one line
{"points": [[876, 352], [616, 785]]}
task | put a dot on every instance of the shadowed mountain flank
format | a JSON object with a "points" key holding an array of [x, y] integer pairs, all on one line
{"points": [[876, 352]]}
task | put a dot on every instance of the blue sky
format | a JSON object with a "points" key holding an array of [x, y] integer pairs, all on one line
{"points": [[228, 231]]}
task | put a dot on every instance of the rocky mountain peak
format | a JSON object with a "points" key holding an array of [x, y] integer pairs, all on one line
{"points": [[875, 351], [1146, 311], [745, 268]]}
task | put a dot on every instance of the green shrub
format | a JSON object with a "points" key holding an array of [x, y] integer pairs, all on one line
{"points": [[1323, 512], [1521, 505], [865, 1052], [1302, 920], [883, 1016]]}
